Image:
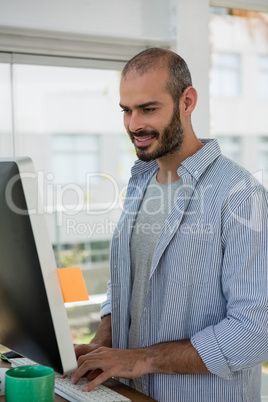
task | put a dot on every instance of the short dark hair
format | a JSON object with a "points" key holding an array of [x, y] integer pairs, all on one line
{"points": [[154, 58]]}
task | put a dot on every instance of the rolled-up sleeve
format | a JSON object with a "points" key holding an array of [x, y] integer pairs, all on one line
{"points": [[240, 340]]}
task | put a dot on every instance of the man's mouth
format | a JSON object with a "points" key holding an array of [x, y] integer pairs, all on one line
{"points": [[143, 141]]}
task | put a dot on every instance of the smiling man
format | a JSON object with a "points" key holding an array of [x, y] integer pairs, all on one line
{"points": [[186, 316], [154, 127]]}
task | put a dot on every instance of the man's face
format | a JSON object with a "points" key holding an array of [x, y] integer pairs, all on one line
{"points": [[150, 116]]}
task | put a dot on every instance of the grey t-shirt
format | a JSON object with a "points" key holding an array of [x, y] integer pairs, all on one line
{"points": [[156, 205]]}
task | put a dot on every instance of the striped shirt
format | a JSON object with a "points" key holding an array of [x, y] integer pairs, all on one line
{"points": [[208, 279]]}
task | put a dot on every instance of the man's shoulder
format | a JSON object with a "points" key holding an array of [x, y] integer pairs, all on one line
{"points": [[234, 183]]}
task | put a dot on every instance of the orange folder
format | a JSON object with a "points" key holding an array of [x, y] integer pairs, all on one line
{"points": [[73, 285]]}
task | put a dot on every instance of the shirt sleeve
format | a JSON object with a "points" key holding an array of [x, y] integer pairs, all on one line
{"points": [[106, 305], [240, 340]]}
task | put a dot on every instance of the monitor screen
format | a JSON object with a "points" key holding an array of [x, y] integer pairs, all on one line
{"points": [[33, 318]]}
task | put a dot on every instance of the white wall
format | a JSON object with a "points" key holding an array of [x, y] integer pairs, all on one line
{"points": [[115, 29], [193, 45], [123, 18]]}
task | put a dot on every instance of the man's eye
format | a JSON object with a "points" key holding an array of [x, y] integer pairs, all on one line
{"points": [[149, 109], [125, 110]]}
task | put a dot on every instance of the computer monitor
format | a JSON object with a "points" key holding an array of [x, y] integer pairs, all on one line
{"points": [[33, 318]]}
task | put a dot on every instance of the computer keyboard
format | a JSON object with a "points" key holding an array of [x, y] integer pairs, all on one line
{"points": [[73, 392]]}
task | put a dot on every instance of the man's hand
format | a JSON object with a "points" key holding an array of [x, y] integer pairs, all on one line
{"points": [[178, 357], [107, 363], [103, 337]]}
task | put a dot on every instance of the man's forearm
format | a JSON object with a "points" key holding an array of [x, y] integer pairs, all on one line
{"points": [[103, 337], [104, 332], [178, 357]]}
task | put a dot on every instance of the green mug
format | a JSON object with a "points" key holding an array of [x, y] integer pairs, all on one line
{"points": [[30, 384]]}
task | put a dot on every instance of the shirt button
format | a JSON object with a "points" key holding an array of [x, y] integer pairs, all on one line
{"points": [[196, 172]]}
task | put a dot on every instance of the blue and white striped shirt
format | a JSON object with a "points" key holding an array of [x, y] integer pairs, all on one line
{"points": [[208, 280]]}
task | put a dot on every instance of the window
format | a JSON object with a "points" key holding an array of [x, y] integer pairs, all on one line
{"points": [[93, 259], [263, 158], [225, 75], [78, 154], [6, 138], [85, 254], [68, 120], [239, 87], [127, 157], [57, 107], [99, 251], [231, 147], [262, 77]]}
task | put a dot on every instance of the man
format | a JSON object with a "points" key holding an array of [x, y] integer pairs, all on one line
{"points": [[186, 315]]}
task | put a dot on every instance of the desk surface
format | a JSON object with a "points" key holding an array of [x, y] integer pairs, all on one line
{"points": [[113, 384]]}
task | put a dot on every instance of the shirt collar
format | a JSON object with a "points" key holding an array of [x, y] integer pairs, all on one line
{"points": [[195, 164], [199, 162]]}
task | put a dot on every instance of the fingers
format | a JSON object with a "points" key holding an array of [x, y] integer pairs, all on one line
{"points": [[105, 363], [79, 350], [83, 369], [82, 349], [104, 376], [87, 363], [93, 374], [92, 356]]}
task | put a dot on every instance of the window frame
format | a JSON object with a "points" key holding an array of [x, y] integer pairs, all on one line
{"points": [[14, 58]]}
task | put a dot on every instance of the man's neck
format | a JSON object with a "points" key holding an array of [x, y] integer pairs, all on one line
{"points": [[169, 164]]}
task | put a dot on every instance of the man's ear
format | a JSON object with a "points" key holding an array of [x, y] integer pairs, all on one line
{"points": [[188, 101]]}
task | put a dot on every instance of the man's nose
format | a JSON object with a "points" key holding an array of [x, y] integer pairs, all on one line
{"points": [[136, 122]]}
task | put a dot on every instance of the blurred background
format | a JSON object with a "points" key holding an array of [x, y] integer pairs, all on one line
{"points": [[60, 64]]}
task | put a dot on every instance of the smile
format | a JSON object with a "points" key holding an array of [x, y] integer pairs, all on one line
{"points": [[143, 141]]}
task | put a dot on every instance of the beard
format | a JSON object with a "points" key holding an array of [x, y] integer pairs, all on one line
{"points": [[168, 142]]}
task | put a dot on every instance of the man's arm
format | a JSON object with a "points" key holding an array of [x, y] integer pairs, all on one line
{"points": [[239, 341], [103, 337], [178, 357]]}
